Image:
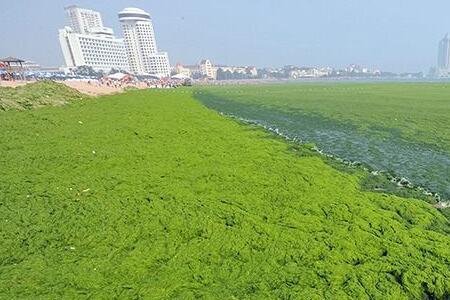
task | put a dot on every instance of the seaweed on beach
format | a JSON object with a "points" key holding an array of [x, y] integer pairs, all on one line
{"points": [[37, 94], [150, 195]]}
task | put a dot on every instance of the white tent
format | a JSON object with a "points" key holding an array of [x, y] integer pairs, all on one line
{"points": [[118, 76], [154, 76], [180, 76]]}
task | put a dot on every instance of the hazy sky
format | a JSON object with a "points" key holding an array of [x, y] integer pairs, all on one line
{"points": [[394, 35]]}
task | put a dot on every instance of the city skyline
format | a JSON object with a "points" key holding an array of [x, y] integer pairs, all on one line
{"points": [[402, 39]]}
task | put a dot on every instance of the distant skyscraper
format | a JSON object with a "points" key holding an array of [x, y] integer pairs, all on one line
{"points": [[140, 43], [85, 42], [444, 54]]}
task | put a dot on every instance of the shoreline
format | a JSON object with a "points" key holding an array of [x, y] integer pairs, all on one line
{"points": [[401, 182]]}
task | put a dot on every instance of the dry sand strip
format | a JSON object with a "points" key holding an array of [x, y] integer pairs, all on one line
{"points": [[13, 84], [92, 89]]}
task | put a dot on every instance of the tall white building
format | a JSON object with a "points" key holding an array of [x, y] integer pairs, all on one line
{"points": [[140, 43], [85, 42], [444, 54]]}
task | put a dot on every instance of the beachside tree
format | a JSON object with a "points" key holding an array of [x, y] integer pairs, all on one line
{"points": [[87, 71]]}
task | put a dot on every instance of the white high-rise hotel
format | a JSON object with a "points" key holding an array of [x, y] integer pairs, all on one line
{"points": [[86, 42], [139, 37]]}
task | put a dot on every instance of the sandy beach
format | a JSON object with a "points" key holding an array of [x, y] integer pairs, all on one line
{"points": [[92, 89], [13, 84]]}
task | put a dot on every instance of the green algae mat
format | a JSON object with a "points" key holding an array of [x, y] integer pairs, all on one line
{"points": [[151, 195]]}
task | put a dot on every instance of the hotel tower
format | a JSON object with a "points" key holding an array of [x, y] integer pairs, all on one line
{"points": [[86, 42], [140, 44]]}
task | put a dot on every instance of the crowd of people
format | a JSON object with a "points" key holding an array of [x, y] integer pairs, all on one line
{"points": [[163, 83], [6, 76], [103, 85]]}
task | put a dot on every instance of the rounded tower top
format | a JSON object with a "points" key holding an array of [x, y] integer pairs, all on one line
{"points": [[134, 14]]}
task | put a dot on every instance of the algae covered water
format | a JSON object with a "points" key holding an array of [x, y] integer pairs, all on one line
{"points": [[380, 149]]}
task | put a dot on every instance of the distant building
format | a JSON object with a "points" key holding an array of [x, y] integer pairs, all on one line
{"points": [[88, 43], [236, 72], [140, 43], [182, 70], [304, 72], [195, 71], [252, 71], [233, 69], [443, 62], [353, 68], [99, 50], [207, 69]]}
